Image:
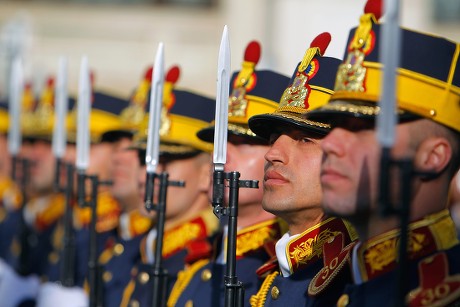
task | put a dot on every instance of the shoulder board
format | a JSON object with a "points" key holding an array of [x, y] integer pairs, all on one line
{"points": [[108, 213], [254, 237]]}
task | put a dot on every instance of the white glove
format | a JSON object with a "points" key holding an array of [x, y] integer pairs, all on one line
{"points": [[15, 289], [52, 294], [3, 268]]}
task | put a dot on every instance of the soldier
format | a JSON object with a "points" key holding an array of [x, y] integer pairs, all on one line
{"points": [[107, 137], [10, 197], [254, 92], [104, 117], [32, 249], [189, 218], [292, 189], [121, 252], [427, 133], [44, 207]]}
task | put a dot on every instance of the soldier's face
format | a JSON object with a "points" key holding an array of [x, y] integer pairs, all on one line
{"points": [[100, 160], [42, 167], [180, 200], [248, 160], [126, 168], [291, 183], [350, 167]]}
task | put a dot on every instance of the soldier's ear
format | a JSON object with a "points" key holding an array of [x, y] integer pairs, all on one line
{"points": [[433, 155]]}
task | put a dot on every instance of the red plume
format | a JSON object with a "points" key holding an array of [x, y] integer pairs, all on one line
{"points": [[374, 7], [321, 41], [50, 82], [173, 74], [148, 73], [252, 53]]}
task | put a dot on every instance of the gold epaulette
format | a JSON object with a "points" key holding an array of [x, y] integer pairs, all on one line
{"points": [[10, 195], [179, 237], [108, 213], [41, 212], [254, 237], [136, 224]]}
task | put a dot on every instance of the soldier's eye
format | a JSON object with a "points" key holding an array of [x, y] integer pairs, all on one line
{"points": [[273, 138]]}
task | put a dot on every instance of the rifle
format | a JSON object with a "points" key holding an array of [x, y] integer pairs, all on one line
{"points": [[67, 273], [386, 121], [16, 87], [94, 270], [23, 268], [234, 289], [159, 273]]}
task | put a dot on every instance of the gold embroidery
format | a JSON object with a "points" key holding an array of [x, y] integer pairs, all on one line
{"points": [[351, 74], [310, 248], [382, 254], [297, 93], [253, 240], [165, 122], [237, 103], [177, 238]]}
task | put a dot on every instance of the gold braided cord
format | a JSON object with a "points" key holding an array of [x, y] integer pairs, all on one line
{"points": [[183, 280], [127, 293], [246, 71], [309, 55], [362, 32], [258, 300]]}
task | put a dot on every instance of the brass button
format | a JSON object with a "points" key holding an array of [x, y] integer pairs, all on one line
{"points": [[118, 249], [275, 292], [206, 275], [433, 112], [107, 276], [143, 278], [134, 303], [53, 257], [189, 303], [343, 301]]}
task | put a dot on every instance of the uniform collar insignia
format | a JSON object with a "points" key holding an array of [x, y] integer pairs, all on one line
{"points": [[308, 246], [336, 259], [427, 235], [437, 287]]}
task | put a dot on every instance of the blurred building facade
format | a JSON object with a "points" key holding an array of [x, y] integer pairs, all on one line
{"points": [[120, 37]]}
